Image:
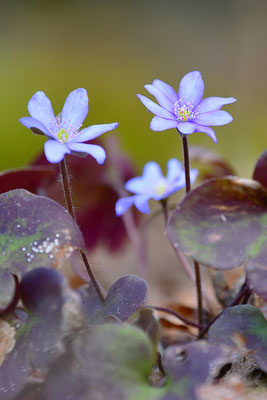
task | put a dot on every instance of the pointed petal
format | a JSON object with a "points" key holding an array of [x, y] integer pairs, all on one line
{"points": [[191, 88], [33, 123], [166, 89], [75, 109], [161, 98], [214, 118], [155, 108], [161, 124], [136, 185], [141, 202], [93, 149], [209, 131], [186, 127], [40, 108], [92, 132], [55, 151], [214, 103], [175, 171], [123, 204]]}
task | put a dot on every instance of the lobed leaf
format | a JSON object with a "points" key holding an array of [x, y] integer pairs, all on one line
{"points": [[125, 297]]}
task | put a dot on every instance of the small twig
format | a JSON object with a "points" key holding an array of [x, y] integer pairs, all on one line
{"points": [[159, 363], [236, 301], [175, 314], [67, 193]]}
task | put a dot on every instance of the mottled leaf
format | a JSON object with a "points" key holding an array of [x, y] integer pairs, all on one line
{"points": [[34, 231], [242, 326], [112, 362], [260, 171], [125, 297], [221, 223]]}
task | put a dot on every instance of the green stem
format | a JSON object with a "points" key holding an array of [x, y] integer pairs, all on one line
{"points": [[67, 193], [196, 264]]}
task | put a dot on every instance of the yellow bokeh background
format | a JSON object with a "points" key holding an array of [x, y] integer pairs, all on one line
{"points": [[113, 48]]}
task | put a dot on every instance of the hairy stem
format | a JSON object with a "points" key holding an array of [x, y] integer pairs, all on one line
{"points": [[196, 264], [67, 193]]}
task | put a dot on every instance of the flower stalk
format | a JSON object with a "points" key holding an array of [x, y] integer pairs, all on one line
{"points": [[196, 264], [67, 193]]}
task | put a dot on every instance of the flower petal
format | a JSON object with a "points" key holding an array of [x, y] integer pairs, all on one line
{"points": [[40, 108], [209, 131], [75, 109], [175, 171], [123, 204], [155, 108], [33, 123], [213, 118], [141, 202], [55, 151], [145, 184], [163, 101], [193, 175], [214, 103], [191, 88], [186, 127], [93, 149], [152, 172], [161, 124], [92, 132], [166, 89]]}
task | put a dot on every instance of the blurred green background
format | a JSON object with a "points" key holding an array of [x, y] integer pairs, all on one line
{"points": [[113, 48]]}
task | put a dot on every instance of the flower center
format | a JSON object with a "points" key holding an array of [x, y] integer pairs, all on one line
{"points": [[63, 135], [161, 187], [184, 112]]}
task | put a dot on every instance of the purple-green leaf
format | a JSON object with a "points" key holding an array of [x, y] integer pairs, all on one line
{"points": [[221, 223], [242, 325], [34, 231]]}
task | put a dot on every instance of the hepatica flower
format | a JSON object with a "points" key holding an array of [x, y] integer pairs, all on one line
{"points": [[153, 185], [63, 132], [186, 110]]}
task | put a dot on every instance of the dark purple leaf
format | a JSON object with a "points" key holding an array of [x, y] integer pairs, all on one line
{"points": [[32, 179], [221, 222], [35, 231], [46, 295], [209, 163], [242, 326], [256, 272], [125, 297], [260, 171]]}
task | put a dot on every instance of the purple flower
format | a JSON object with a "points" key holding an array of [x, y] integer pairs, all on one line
{"points": [[186, 110], [153, 185], [63, 131]]}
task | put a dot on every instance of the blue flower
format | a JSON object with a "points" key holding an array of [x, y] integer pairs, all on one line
{"points": [[186, 110], [153, 185], [63, 131]]}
